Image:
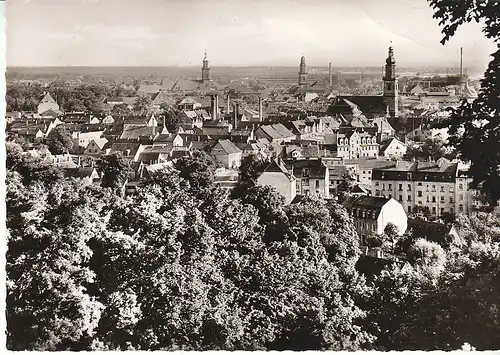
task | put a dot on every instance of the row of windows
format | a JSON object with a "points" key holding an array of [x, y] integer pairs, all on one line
{"points": [[345, 141], [442, 188], [363, 225]]}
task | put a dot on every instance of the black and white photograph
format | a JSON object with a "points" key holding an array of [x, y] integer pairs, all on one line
{"points": [[251, 175]]}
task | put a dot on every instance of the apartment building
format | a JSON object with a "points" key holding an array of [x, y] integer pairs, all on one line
{"points": [[440, 186], [355, 145], [312, 177]]}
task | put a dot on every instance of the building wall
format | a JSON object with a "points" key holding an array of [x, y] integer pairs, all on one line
{"points": [[392, 212], [44, 106], [281, 183], [395, 150], [229, 161], [440, 197]]}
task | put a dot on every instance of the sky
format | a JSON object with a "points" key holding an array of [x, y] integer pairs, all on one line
{"points": [[234, 33]]}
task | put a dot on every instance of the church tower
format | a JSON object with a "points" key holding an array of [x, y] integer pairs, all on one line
{"points": [[303, 71], [391, 84], [205, 70]]}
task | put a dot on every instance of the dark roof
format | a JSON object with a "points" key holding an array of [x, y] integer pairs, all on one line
{"points": [[369, 105], [80, 172], [365, 202], [317, 169]]}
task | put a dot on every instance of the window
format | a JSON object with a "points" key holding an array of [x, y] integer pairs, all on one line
{"points": [[433, 198], [400, 198], [400, 187], [452, 210], [433, 188], [442, 198], [409, 209], [433, 210], [419, 184], [383, 186], [305, 182], [427, 198], [409, 198], [305, 172], [317, 184], [461, 208], [451, 189], [442, 188], [460, 186], [419, 202], [408, 176], [377, 192], [461, 197], [390, 187], [419, 193], [409, 187], [442, 210], [451, 199]]}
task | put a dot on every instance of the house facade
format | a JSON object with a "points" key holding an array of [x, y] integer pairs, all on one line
{"points": [[227, 153], [356, 145], [312, 177], [438, 186], [278, 176]]}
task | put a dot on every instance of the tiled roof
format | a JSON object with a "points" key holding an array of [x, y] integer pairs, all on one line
{"points": [[135, 132], [228, 146]]}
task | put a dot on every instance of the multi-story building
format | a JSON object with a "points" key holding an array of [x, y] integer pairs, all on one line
{"points": [[354, 145], [440, 186], [312, 177]]}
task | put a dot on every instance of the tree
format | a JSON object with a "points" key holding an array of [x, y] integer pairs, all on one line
{"points": [[59, 141], [121, 110], [198, 169], [345, 186], [114, 169], [172, 116], [473, 127], [142, 105], [428, 255], [390, 237], [48, 306]]}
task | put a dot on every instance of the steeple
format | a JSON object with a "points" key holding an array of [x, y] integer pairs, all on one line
{"points": [[302, 71], [391, 84], [205, 69]]}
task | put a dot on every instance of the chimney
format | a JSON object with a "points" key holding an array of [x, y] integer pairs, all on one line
{"points": [[261, 117], [213, 108], [330, 73], [216, 106], [228, 104], [236, 114]]}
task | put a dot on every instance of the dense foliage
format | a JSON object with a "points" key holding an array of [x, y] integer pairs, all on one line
{"points": [[182, 266], [474, 126]]}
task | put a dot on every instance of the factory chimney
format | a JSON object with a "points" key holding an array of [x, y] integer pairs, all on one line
{"points": [[261, 114], [461, 67], [228, 104], [330, 74], [214, 113]]}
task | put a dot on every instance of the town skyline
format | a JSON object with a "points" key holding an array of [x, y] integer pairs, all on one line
{"points": [[234, 34]]}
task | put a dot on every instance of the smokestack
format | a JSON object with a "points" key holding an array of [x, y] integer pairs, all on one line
{"points": [[461, 70], [236, 113], [214, 113], [228, 105], [261, 116], [216, 106], [330, 74]]}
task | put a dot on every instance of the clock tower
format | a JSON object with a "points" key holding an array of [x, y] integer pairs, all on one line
{"points": [[391, 84], [205, 69]]}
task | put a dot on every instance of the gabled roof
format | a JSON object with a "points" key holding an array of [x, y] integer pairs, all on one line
{"points": [[278, 166], [79, 172], [47, 98], [228, 146], [132, 132], [122, 147], [385, 144], [100, 142]]}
